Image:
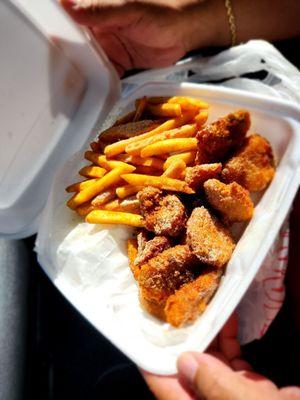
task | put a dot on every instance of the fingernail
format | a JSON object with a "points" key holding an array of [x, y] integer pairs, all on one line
{"points": [[187, 366]]}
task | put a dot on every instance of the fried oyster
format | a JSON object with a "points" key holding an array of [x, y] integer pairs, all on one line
{"points": [[163, 214], [197, 175], [188, 302], [231, 200], [208, 238], [165, 273], [224, 135], [252, 166]]}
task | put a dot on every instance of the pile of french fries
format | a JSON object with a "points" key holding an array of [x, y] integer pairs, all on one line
{"points": [[158, 157]]}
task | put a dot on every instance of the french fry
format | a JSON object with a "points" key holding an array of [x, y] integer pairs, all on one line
{"points": [[188, 157], [119, 147], [127, 190], [170, 146], [131, 205], [114, 217], [132, 252], [160, 182], [103, 162], [140, 108], [104, 197], [78, 186], [164, 110], [182, 132], [85, 209], [191, 100], [108, 180], [92, 171], [176, 169], [201, 118], [145, 162], [180, 100]]}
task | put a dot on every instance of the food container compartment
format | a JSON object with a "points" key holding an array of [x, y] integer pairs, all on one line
{"points": [[99, 283]]}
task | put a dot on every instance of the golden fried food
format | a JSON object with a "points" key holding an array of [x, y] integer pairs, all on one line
{"points": [[161, 182], [188, 157], [132, 251], [220, 137], [92, 171], [165, 273], [148, 249], [208, 238], [176, 170], [252, 166], [114, 218], [104, 197], [189, 301], [163, 214], [154, 167], [101, 185], [151, 306], [197, 175], [231, 200]]}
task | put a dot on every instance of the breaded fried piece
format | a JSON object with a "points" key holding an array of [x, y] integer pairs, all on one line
{"points": [[151, 248], [132, 252], [232, 200], [163, 214], [151, 306], [188, 302], [208, 238], [252, 166], [126, 131], [165, 273], [220, 137], [196, 176]]}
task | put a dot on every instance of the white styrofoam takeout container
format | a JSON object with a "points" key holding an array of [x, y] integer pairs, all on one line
{"points": [[68, 91]]}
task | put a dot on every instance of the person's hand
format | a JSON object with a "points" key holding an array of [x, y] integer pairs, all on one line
{"points": [[220, 374], [149, 33]]}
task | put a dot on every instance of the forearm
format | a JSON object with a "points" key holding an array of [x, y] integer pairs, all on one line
{"points": [[264, 19]]}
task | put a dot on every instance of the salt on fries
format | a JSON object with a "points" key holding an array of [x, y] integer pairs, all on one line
{"points": [[159, 143]]}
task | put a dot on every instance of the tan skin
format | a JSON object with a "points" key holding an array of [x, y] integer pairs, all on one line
{"points": [[156, 33], [221, 374]]}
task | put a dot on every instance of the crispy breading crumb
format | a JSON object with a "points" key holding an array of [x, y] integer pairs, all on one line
{"points": [[252, 166], [165, 273], [188, 302], [232, 200], [208, 238], [197, 175], [163, 214], [220, 137], [151, 248]]}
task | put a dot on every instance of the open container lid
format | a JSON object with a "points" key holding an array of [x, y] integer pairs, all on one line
{"points": [[55, 85]]}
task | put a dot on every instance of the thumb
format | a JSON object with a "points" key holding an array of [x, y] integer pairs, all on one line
{"points": [[210, 378]]}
